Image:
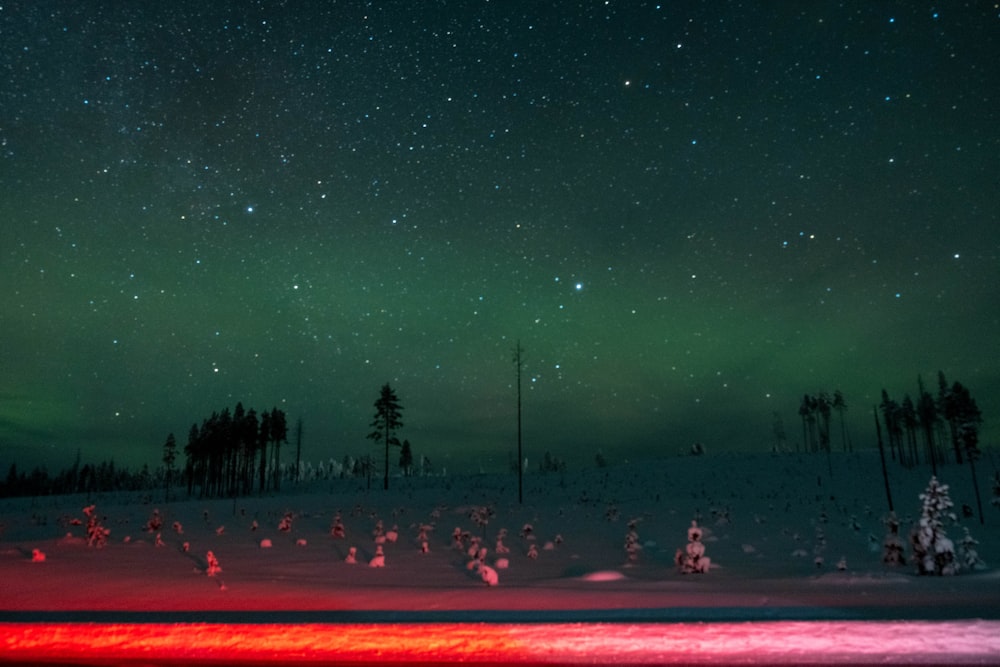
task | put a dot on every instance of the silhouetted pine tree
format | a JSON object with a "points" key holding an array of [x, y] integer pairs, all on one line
{"points": [[385, 423]]}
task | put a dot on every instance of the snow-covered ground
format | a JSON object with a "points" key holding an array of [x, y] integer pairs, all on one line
{"points": [[795, 552]]}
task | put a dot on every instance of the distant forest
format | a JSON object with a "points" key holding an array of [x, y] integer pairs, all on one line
{"points": [[931, 429], [238, 452]]}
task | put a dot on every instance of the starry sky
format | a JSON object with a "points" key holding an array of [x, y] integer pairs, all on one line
{"points": [[689, 214]]}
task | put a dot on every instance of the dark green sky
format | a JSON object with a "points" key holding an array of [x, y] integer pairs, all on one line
{"points": [[690, 214]]}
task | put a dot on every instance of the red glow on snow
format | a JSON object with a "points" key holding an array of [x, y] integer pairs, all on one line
{"points": [[778, 642]]}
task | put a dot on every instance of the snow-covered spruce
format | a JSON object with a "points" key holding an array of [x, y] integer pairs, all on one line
{"points": [[692, 559], [933, 552], [892, 545], [968, 553]]}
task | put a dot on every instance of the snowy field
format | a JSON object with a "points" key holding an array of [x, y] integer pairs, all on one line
{"points": [[795, 576]]}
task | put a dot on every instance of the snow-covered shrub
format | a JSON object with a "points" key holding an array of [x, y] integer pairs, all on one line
{"points": [[481, 516], [155, 522], [378, 560], [933, 552], [892, 545], [337, 529], [488, 574], [632, 545], [212, 568], [97, 535], [692, 558]]}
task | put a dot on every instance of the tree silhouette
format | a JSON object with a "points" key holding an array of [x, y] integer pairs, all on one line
{"points": [[840, 405], [968, 418], [928, 415], [406, 458], [385, 423], [263, 438], [948, 406], [169, 457], [279, 434], [518, 364]]}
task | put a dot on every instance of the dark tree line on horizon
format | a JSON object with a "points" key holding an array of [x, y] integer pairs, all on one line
{"points": [[86, 478]]}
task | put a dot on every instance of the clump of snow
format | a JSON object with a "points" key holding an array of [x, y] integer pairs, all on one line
{"points": [[378, 560], [603, 575]]}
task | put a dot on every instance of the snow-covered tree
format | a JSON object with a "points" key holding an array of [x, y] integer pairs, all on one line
{"points": [[933, 552], [692, 558], [97, 534], [968, 554], [892, 546]]}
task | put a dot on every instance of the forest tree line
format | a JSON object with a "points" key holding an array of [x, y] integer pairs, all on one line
{"points": [[933, 428]]}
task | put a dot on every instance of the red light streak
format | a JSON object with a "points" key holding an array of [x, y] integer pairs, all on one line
{"points": [[777, 642]]}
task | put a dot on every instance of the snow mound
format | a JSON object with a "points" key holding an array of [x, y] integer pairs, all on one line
{"points": [[604, 575]]}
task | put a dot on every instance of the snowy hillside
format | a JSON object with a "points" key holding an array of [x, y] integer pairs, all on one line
{"points": [[780, 532], [453, 569]]}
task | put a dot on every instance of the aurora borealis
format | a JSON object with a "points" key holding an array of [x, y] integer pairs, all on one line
{"points": [[689, 214]]}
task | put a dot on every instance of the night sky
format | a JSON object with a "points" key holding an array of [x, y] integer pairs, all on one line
{"points": [[690, 214]]}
